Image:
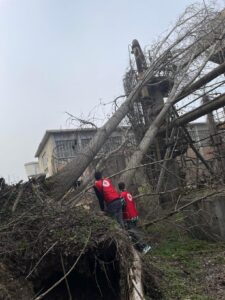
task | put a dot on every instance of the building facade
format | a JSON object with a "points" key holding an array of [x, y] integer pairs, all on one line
{"points": [[58, 147]]}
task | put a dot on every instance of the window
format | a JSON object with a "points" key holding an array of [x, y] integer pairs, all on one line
{"points": [[85, 142], [66, 148]]}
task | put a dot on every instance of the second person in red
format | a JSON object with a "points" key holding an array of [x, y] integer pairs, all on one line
{"points": [[130, 217], [129, 210]]}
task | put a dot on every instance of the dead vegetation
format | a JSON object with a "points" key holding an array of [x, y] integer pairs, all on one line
{"points": [[54, 249], [190, 268], [51, 253]]}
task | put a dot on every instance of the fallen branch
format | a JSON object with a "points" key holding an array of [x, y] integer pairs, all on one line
{"points": [[49, 249], [20, 193], [113, 175], [181, 208], [82, 121], [64, 272], [34, 189], [100, 165], [155, 194], [70, 270]]}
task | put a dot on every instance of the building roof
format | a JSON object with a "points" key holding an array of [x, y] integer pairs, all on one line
{"points": [[31, 163], [57, 131]]}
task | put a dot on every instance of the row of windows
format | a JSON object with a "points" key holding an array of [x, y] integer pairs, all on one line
{"points": [[69, 148]]}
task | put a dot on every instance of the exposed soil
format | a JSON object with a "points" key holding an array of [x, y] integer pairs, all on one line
{"points": [[39, 238]]}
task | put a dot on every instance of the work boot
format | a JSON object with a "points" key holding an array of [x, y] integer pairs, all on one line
{"points": [[146, 249]]}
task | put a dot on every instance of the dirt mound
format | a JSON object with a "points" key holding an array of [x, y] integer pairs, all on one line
{"points": [[41, 242], [81, 254], [12, 288]]}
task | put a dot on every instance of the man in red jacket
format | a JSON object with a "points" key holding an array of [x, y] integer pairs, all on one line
{"points": [[109, 199], [130, 217]]}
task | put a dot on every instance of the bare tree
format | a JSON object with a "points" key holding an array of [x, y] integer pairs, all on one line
{"points": [[188, 54], [188, 47]]}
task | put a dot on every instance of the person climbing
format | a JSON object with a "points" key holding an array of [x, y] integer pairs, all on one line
{"points": [[130, 217], [109, 199]]}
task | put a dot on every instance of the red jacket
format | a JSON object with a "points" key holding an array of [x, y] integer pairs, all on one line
{"points": [[106, 190], [129, 210]]}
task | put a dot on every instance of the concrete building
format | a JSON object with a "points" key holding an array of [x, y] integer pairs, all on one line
{"points": [[32, 169], [58, 147]]}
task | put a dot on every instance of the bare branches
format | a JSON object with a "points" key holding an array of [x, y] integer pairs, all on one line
{"points": [[178, 60], [20, 193], [49, 249], [177, 210], [64, 272], [187, 52], [155, 194], [77, 198], [67, 273], [81, 121]]}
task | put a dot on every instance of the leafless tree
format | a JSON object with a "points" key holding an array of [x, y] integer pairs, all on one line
{"points": [[188, 48]]}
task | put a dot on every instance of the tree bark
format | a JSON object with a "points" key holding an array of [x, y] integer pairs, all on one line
{"points": [[148, 138], [200, 111], [61, 182], [202, 81]]}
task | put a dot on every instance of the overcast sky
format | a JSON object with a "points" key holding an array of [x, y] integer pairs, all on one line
{"points": [[65, 55]]}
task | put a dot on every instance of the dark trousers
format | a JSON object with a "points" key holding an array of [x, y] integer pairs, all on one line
{"points": [[114, 210], [136, 235]]}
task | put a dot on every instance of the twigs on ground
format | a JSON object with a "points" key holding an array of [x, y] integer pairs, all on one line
{"points": [[20, 193], [147, 224], [64, 272], [41, 259], [155, 194]]}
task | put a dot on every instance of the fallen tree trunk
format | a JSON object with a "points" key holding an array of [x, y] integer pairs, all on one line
{"points": [[199, 84], [148, 138], [200, 111], [63, 181], [150, 134], [196, 113], [204, 37], [202, 81]]}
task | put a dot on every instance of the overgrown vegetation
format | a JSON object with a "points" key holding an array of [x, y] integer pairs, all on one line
{"points": [[39, 239], [192, 269]]}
